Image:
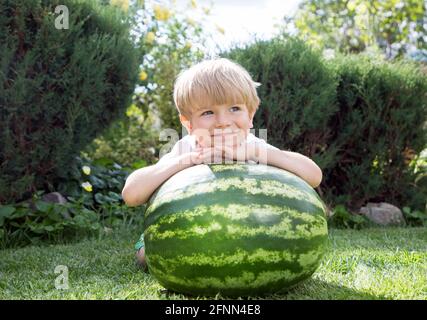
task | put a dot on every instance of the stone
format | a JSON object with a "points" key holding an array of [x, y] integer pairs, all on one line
{"points": [[383, 213], [56, 197]]}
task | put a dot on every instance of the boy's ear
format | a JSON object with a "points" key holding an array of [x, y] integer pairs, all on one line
{"points": [[185, 122]]}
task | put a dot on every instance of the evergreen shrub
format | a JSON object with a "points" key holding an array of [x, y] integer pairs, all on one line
{"points": [[59, 88], [297, 93], [362, 121], [377, 132]]}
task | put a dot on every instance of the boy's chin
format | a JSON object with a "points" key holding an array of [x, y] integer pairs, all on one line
{"points": [[234, 139], [214, 141]]}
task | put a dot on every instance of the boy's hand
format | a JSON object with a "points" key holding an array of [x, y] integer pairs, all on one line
{"points": [[217, 154], [206, 155], [242, 152]]}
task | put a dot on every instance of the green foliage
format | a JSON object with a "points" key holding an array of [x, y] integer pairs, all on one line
{"points": [[59, 88], [377, 131], [362, 121], [393, 26], [174, 42], [369, 264], [419, 166], [36, 221], [106, 180], [415, 218], [132, 141], [343, 219], [297, 93], [90, 210], [169, 40], [100, 187]]}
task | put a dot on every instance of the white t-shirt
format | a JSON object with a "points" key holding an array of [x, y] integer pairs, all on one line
{"points": [[188, 144]]}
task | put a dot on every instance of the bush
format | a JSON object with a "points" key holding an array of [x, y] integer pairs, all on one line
{"points": [[297, 93], [361, 121], [132, 141], [102, 176], [170, 40], [414, 218], [175, 40], [377, 132], [94, 205], [341, 218], [36, 221], [59, 88]]}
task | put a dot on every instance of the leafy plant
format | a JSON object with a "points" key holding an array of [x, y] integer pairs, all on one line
{"points": [[169, 40], [60, 88], [36, 221], [343, 219], [415, 218], [344, 114], [419, 166], [94, 205], [394, 27], [129, 141]]}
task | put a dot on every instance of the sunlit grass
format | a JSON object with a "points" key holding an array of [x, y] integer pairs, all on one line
{"points": [[368, 264]]}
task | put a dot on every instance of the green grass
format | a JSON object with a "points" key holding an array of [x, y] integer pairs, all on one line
{"points": [[377, 263]]}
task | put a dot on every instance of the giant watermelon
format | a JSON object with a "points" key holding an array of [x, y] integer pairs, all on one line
{"points": [[237, 229]]}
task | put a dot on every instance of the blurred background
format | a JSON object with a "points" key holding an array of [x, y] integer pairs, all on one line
{"points": [[345, 81]]}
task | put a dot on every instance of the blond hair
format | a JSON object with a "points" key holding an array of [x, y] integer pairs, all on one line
{"points": [[214, 82]]}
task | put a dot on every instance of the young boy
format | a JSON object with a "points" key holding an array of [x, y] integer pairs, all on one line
{"points": [[217, 101]]}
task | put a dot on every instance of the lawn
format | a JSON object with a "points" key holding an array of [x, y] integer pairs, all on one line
{"points": [[377, 263]]}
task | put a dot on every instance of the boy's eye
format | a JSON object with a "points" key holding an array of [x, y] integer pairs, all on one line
{"points": [[206, 113], [234, 108]]}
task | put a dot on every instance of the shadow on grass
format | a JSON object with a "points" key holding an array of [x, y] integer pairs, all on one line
{"points": [[315, 289], [311, 289]]}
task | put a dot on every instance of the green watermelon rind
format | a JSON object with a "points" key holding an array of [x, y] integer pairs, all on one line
{"points": [[218, 243]]}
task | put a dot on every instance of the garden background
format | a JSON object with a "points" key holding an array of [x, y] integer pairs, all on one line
{"points": [[343, 82]]}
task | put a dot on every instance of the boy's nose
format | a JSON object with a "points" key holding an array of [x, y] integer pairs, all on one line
{"points": [[222, 121]]}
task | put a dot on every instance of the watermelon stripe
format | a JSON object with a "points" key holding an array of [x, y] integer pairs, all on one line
{"points": [[261, 187], [266, 280], [213, 245], [281, 231], [219, 272], [203, 173], [239, 260], [258, 172], [235, 229], [226, 269], [232, 196], [240, 213], [285, 228]]}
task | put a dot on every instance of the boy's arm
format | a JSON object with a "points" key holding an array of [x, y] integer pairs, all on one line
{"points": [[294, 162], [141, 183]]}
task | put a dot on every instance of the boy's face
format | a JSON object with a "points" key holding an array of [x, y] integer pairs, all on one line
{"points": [[226, 124]]}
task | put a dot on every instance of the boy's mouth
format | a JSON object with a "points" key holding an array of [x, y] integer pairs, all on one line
{"points": [[227, 137], [224, 132]]}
